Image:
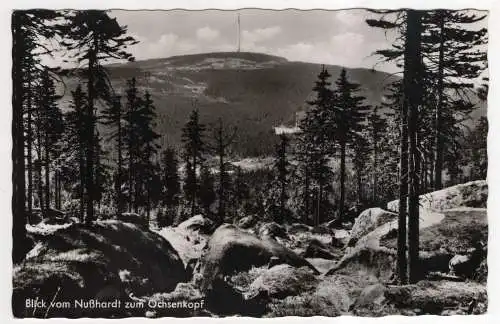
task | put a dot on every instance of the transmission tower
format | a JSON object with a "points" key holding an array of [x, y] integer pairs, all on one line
{"points": [[239, 33]]}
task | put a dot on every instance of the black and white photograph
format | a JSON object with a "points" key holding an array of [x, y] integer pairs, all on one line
{"points": [[251, 162]]}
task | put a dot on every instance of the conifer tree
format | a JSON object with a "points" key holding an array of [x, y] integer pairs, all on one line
{"points": [[223, 138], [206, 194], [170, 183], [52, 128], [148, 146], [348, 113], [376, 127], [193, 135], [315, 144], [451, 46], [29, 28], [281, 179], [361, 149], [114, 117], [131, 138], [75, 141], [95, 37]]}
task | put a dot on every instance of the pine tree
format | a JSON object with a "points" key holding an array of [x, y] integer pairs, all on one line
{"points": [[240, 192], [194, 149], [477, 140], [281, 179], [223, 139], [96, 38], [28, 28], [114, 117], [171, 188], [52, 128], [75, 140], [206, 194], [348, 114], [376, 127], [148, 145], [314, 147], [452, 49], [131, 137], [361, 149]]}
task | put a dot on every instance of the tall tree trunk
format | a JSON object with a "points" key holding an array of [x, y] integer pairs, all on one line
{"points": [[439, 144], [283, 180], [402, 263], [90, 133], [413, 69], [342, 178], [222, 171], [29, 144], [19, 240], [39, 162], [81, 171], [47, 171], [97, 184], [119, 197], [359, 187], [195, 183], [305, 219], [375, 160]]}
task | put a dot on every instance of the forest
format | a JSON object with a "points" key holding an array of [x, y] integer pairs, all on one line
{"points": [[102, 158]]}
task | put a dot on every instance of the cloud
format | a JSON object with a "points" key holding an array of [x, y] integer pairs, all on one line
{"points": [[207, 34], [260, 34]]}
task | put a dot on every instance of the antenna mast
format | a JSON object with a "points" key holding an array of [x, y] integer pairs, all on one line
{"points": [[239, 34]]}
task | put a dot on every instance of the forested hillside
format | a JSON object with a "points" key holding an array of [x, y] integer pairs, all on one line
{"points": [[166, 179]]}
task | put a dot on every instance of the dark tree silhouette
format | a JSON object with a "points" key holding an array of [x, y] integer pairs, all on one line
{"points": [[223, 138], [193, 135], [348, 114], [94, 37]]}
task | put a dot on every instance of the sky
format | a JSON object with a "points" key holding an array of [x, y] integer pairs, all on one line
{"points": [[318, 36]]}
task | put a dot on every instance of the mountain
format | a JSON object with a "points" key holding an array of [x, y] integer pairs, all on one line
{"points": [[252, 91]]}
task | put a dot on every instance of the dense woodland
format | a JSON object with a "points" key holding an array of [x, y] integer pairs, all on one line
{"points": [[347, 155]]}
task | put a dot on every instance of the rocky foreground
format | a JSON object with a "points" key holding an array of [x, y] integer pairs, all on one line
{"points": [[254, 268]]}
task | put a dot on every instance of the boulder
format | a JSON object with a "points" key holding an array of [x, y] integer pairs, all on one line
{"points": [[438, 297], [231, 250], [189, 238], [367, 221], [283, 280], [298, 228], [199, 224], [471, 194], [316, 249], [247, 222], [372, 297], [329, 297], [375, 262], [133, 218], [106, 260], [272, 230]]}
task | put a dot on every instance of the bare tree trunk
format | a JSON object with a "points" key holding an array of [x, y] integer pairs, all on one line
{"points": [[305, 217], [47, 171], [19, 243], [90, 133], [29, 144], [342, 179], [413, 93], [39, 162], [403, 195], [375, 160], [439, 145], [81, 165], [119, 196]]}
